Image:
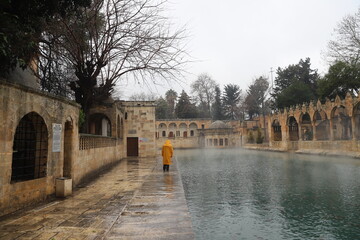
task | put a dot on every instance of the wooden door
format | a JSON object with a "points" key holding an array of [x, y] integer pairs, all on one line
{"points": [[132, 147]]}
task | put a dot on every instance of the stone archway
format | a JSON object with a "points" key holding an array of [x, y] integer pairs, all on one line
{"points": [[30, 149], [341, 124], [306, 127], [322, 126], [276, 128], [293, 129]]}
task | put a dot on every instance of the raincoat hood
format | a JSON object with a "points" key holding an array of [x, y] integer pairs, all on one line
{"points": [[167, 143]]}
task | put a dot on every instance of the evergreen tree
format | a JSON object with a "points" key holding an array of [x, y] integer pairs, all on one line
{"points": [[171, 97], [256, 95], [342, 77], [299, 79], [231, 100], [162, 108], [184, 107], [217, 108]]}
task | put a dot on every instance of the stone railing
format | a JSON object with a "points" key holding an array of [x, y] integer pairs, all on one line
{"points": [[88, 141]]}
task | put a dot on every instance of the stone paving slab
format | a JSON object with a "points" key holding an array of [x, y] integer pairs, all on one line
{"points": [[135, 200]]}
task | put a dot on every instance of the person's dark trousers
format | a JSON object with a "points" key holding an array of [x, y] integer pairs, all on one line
{"points": [[166, 168]]}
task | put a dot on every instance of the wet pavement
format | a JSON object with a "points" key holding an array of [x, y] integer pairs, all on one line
{"points": [[134, 200]]}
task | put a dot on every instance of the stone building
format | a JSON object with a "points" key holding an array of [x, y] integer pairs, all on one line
{"points": [[198, 133], [330, 126], [40, 142]]}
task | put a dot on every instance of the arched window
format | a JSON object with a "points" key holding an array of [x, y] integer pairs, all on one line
{"points": [[30, 149], [322, 125], [341, 122], [100, 125]]}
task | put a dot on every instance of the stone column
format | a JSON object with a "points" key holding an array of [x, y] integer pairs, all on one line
{"points": [[353, 131], [331, 130], [314, 131]]}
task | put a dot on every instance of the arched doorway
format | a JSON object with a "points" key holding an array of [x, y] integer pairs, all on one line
{"points": [[293, 129], [306, 127], [341, 124], [68, 149], [30, 149], [322, 125], [276, 130]]}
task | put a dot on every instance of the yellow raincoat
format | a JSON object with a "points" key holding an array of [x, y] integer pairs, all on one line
{"points": [[167, 152]]}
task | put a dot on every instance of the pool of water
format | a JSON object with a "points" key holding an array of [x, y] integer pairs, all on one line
{"points": [[243, 194]]}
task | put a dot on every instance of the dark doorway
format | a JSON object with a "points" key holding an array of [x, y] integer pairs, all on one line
{"points": [[132, 147], [68, 143]]}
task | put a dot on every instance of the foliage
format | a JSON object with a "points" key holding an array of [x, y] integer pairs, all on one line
{"points": [[231, 100], [81, 118], [297, 93], [259, 137], [204, 90], [341, 78], [250, 138], [256, 97], [21, 25], [171, 97], [217, 107], [184, 107], [346, 45], [292, 77], [162, 108]]}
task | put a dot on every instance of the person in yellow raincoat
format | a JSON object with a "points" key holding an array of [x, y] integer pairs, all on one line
{"points": [[167, 153]]}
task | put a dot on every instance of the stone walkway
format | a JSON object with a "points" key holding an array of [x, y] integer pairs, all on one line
{"points": [[135, 200]]}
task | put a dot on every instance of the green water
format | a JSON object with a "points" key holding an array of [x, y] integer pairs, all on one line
{"points": [[240, 194]]}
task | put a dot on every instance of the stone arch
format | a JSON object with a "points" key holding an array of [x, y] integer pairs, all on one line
{"points": [[322, 125], [306, 127], [100, 124], [172, 130], [356, 116], [30, 148], [276, 128], [162, 129], [193, 129], [293, 128], [341, 123], [68, 147], [183, 129]]}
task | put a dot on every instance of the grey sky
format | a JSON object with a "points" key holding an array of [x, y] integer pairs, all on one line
{"points": [[235, 41]]}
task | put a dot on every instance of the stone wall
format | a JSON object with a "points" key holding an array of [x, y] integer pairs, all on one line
{"points": [[140, 123], [17, 102]]}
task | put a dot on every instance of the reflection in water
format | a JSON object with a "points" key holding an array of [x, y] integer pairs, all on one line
{"points": [[238, 194]]}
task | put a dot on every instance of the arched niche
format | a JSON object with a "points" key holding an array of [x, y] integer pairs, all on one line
{"points": [[193, 129], [100, 124], [341, 123], [276, 128], [322, 125], [30, 149], [306, 127], [293, 129]]}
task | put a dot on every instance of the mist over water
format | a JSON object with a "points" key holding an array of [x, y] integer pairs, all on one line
{"points": [[241, 194]]}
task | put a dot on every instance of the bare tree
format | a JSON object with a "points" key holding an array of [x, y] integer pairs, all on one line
{"points": [[143, 97], [346, 45], [204, 90], [112, 40]]}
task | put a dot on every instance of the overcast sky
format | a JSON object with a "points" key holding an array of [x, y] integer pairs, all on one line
{"points": [[235, 41]]}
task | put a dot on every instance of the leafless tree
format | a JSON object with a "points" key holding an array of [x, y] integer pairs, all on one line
{"points": [[346, 45], [204, 90], [143, 97], [112, 40]]}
